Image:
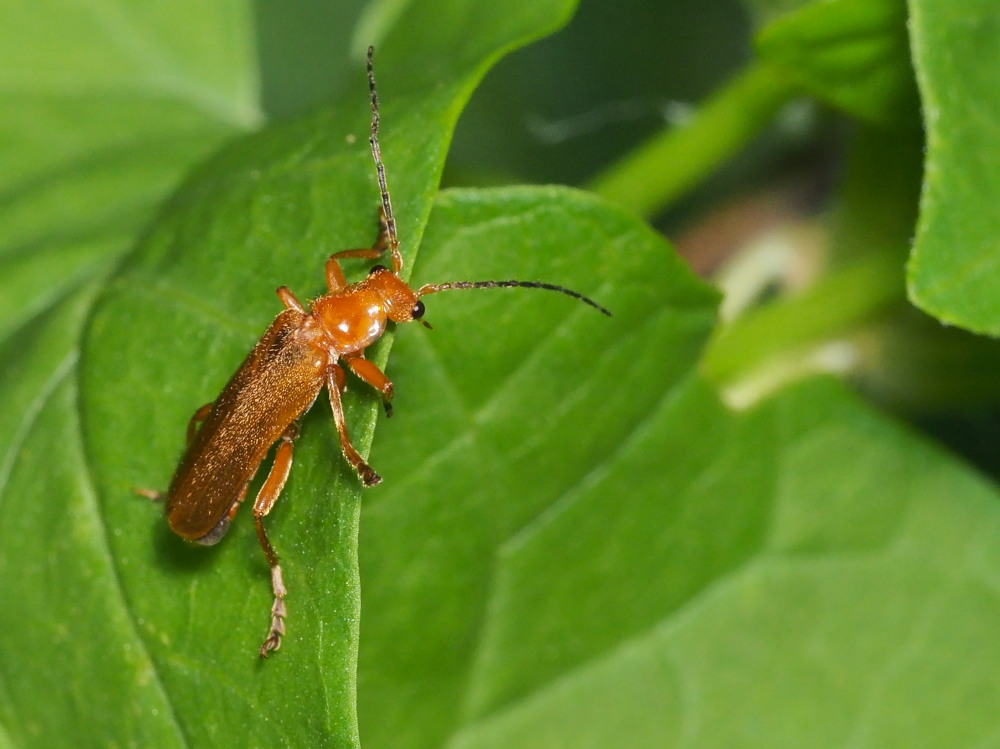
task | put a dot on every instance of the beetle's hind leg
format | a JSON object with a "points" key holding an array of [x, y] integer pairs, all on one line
{"points": [[266, 497]]}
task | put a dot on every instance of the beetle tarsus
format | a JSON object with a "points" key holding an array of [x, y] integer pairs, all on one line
{"points": [[368, 476], [278, 613]]}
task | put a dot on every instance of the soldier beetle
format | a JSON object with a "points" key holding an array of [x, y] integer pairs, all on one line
{"points": [[305, 349]]}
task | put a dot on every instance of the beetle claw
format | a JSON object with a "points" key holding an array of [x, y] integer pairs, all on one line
{"points": [[368, 476], [273, 641]]}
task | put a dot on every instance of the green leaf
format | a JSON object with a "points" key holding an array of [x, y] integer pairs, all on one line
{"points": [[850, 53], [110, 607], [507, 410], [71, 664], [954, 269], [764, 11], [625, 562], [104, 108]]}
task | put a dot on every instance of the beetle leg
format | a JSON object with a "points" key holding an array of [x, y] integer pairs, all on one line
{"points": [[374, 376], [334, 376], [335, 279], [288, 299], [266, 497], [196, 418]]}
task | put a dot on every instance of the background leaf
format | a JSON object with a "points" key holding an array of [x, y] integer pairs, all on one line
{"points": [[636, 564], [850, 52], [848, 606], [953, 272]]}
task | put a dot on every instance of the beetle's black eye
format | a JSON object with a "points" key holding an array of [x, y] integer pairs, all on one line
{"points": [[418, 310], [375, 269]]}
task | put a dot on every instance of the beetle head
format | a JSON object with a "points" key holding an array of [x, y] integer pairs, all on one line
{"points": [[401, 302]]}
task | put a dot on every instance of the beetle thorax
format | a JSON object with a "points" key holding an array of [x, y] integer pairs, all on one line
{"points": [[352, 321]]}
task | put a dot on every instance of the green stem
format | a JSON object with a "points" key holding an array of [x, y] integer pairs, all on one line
{"points": [[655, 174], [836, 306]]}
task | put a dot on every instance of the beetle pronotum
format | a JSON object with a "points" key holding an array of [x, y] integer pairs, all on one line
{"points": [[304, 350]]}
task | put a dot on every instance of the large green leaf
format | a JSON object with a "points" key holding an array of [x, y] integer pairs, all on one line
{"points": [[105, 106], [110, 608], [620, 561], [507, 410], [852, 601], [954, 272]]}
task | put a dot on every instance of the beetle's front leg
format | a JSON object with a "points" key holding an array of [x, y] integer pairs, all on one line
{"points": [[375, 377], [266, 497], [334, 385], [335, 280]]}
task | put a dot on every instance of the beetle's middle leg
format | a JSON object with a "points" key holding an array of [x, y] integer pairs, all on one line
{"points": [[266, 497], [196, 418], [192, 429]]}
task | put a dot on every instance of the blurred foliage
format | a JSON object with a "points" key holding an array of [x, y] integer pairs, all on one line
{"points": [[559, 111]]}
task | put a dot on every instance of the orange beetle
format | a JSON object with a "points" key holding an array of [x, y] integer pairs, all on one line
{"points": [[304, 349]]}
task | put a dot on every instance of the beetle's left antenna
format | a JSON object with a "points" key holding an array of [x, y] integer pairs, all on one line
{"points": [[386, 216]]}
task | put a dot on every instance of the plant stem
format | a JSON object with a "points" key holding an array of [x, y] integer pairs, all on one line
{"points": [[836, 306], [655, 174]]}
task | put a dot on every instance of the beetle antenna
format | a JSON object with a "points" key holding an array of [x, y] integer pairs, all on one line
{"points": [[433, 288], [386, 216]]}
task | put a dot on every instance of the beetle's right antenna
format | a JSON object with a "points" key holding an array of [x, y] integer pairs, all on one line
{"points": [[434, 288], [386, 213]]}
